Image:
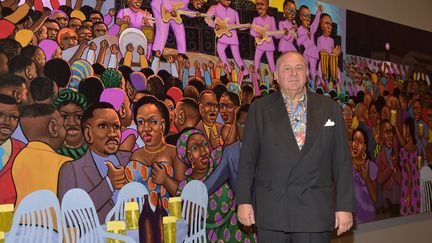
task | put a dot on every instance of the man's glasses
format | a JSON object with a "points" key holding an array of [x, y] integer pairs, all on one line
{"points": [[291, 11], [227, 106], [212, 105]]}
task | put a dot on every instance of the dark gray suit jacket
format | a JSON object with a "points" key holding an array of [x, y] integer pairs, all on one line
{"points": [[296, 190], [83, 173]]}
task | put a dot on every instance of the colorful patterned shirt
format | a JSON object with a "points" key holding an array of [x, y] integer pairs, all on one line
{"points": [[297, 115]]}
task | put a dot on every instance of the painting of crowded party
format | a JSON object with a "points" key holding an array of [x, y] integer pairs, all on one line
{"points": [[97, 95]]}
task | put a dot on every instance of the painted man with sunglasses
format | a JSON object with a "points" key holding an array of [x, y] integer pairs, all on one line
{"points": [[306, 33], [286, 42]]}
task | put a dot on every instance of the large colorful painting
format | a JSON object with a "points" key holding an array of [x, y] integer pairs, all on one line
{"points": [[97, 94]]}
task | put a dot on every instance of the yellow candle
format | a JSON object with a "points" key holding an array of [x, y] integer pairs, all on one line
{"points": [[2, 237], [393, 117], [132, 215], [169, 229], [6, 217], [175, 207], [116, 227]]}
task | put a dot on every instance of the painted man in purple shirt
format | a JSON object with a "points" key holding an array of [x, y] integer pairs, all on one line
{"points": [[286, 41], [267, 47], [162, 28], [223, 11], [326, 43], [138, 18], [306, 34]]}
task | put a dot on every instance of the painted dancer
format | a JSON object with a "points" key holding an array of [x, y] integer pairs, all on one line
{"points": [[306, 33], [286, 41]]}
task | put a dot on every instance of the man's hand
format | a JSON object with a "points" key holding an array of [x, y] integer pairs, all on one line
{"points": [[337, 50], [173, 13], [92, 46], [104, 45], [129, 47], [245, 214], [214, 139], [319, 6], [111, 12], [171, 59], [114, 49], [159, 173], [116, 175], [145, 22], [126, 20], [140, 50], [119, 21], [344, 221]]}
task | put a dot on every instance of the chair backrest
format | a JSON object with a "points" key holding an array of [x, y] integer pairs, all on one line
{"points": [[36, 219], [426, 188], [133, 191], [79, 218], [195, 200]]}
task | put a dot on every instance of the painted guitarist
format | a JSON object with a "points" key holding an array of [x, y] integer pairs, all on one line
{"points": [[222, 11], [266, 23], [162, 28]]}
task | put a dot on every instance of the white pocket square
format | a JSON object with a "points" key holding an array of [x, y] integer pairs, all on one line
{"points": [[329, 123]]}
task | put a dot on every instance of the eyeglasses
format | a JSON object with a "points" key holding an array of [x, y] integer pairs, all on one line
{"points": [[53, 29], [70, 38], [307, 15], [227, 106], [291, 11], [211, 105], [61, 18]]}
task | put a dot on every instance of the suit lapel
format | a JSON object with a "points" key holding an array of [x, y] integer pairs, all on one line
{"points": [[90, 169], [314, 121], [281, 122]]}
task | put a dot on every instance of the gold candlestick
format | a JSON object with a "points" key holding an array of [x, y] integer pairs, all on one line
{"points": [[132, 215], [116, 227], [169, 229], [175, 207], [6, 217]]}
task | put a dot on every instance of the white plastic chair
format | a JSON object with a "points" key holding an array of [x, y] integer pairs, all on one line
{"points": [[78, 212], [195, 200], [426, 189], [132, 191], [33, 220]]}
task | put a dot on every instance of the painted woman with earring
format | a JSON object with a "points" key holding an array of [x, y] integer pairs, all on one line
{"points": [[365, 173], [155, 163]]}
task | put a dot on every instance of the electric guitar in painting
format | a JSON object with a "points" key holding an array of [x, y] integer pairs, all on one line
{"points": [[224, 28], [166, 15], [266, 35]]}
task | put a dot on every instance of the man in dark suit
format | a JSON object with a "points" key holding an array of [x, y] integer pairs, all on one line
{"points": [[100, 171], [295, 150]]}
